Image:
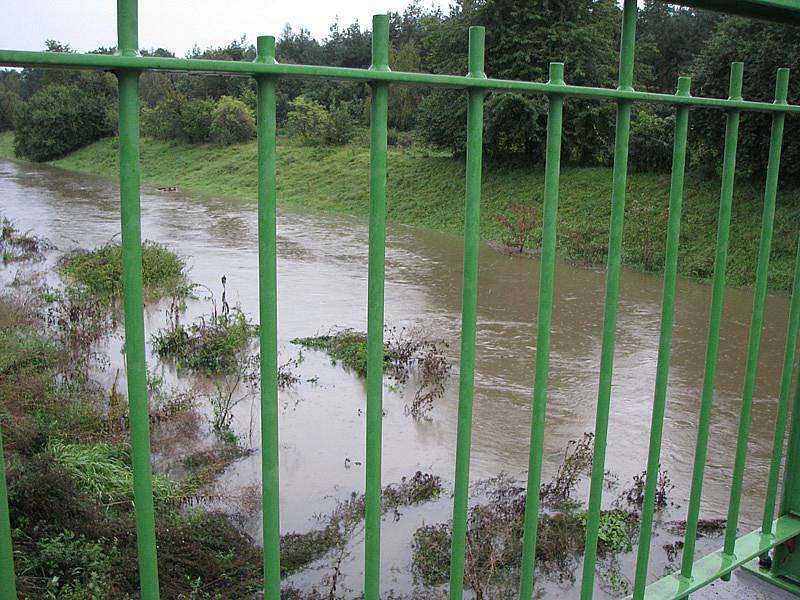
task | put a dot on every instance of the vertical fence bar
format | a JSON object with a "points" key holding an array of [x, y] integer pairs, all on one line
{"points": [[379, 114], [717, 297], [555, 113], [127, 28], [268, 319], [619, 179], [783, 399], [757, 319], [783, 406], [782, 563], [8, 586], [469, 311], [665, 341]]}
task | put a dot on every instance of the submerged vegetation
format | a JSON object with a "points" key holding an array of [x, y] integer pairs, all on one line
{"points": [[214, 344], [496, 525], [406, 353], [100, 271], [16, 246]]}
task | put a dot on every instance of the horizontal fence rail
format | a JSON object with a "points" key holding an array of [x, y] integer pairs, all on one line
{"points": [[773, 544]]}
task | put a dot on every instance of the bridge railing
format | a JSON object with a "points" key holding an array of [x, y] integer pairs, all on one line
{"points": [[695, 573]]}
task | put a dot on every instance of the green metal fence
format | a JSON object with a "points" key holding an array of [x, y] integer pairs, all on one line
{"points": [[776, 534]]}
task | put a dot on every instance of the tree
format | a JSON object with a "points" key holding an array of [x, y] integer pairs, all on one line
{"points": [[520, 44], [764, 48], [678, 35], [61, 118]]}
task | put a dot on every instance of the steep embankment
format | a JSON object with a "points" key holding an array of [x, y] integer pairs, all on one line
{"points": [[427, 189]]}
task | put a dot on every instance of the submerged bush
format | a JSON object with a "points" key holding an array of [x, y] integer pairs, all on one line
{"points": [[100, 270], [16, 246], [213, 344], [405, 352]]}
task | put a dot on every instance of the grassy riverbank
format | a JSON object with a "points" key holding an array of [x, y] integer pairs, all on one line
{"points": [[426, 189]]}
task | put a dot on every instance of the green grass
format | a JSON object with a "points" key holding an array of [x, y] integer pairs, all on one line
{"points": [[427, 189]]}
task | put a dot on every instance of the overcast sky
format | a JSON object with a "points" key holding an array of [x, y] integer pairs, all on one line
{"points": [[177, 24]]}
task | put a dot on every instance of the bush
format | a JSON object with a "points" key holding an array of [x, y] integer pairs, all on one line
{"points": [[178, 118], [339, 126], [232, 121], [652, 137], [307, 120], [764, 48], [196, 120], [100, 270], [61, 118], [10, 103]]}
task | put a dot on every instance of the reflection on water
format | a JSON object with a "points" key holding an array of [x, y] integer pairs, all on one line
{"points": [[322, 283]]}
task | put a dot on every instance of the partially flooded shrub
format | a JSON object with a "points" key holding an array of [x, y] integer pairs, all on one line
{"points": [[100, 271], [577, 463], [213, 344], [16, 246], [405, 353], [633, 495]]}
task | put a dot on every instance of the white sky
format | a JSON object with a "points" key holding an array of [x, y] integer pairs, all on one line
{"points": [[177, 24]]}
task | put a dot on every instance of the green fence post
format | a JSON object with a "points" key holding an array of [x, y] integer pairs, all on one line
{"points": [[619, 179], [127, 28], [379, 114], [717, 297], [665, 341], [552, 171], [759, 297], [8, 587], [268, 319], [469, 311]]}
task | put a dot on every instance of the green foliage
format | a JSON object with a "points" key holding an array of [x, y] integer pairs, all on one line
{"points": [[677, 35], [651, 141], [73, 567], [100, 270], [61, 118], [10, 103], [307, 120], [521, 225], [232, 122], [213, 344], [164, 121], [346, 346], [339, 125], [764, 48], [178, 118], [196, 120], [102, 470], [519, 45]]}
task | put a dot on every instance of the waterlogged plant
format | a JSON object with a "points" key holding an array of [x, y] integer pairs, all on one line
{"points": [[16, 246], [406, 353], [100, 271], [215, 344], [496, 525], [298, 550]]}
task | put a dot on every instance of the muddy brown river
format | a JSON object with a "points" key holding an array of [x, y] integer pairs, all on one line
{"points": [[322, 263]]}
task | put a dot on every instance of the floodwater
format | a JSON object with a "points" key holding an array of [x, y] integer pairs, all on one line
{"points": [[323, 283]]}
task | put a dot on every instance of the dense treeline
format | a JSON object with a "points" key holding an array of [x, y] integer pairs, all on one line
{"points": [[57, 111]]}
